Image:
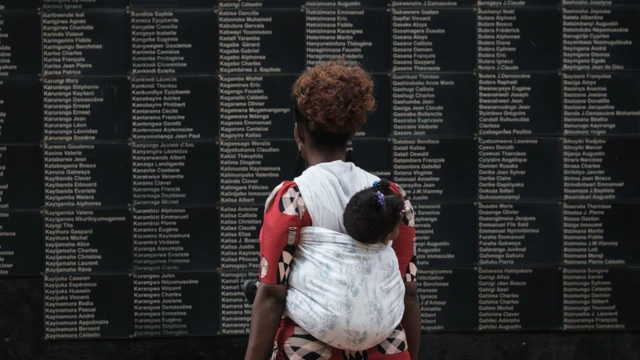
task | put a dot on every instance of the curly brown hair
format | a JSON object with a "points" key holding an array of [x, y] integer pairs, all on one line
{"points": [[334, 100]]}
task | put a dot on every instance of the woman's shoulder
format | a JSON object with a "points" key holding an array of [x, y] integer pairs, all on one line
{"points": [[287, 196], [278, 191]]}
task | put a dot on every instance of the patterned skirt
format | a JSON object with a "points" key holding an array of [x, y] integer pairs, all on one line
{"points": [[293, 343]]}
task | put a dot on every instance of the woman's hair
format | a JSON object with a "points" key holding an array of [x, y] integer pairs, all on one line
{"points": [[373, 213], [332, 101]]}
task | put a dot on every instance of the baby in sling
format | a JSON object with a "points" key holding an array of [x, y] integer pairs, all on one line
{"points": [[344, 288]]}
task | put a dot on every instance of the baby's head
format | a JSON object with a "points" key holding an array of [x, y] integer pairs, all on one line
{"points": [[373, 215]]}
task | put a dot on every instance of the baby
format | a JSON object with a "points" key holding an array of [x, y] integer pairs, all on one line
{"points": [[373, 215]]}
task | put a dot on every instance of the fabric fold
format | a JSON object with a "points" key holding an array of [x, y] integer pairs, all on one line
{"points": [[346, 294]]}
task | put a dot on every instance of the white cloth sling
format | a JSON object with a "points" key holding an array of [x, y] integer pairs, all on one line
{"points": [[346, 294]]}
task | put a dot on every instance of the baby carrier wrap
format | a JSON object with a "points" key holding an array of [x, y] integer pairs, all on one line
{"points": [[346, 294]]}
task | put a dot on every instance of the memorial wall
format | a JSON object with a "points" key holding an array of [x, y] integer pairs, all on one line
{"points": [[139, 140]]}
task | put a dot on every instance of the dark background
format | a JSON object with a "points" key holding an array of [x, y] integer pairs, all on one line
{"points": [[539, 53]]}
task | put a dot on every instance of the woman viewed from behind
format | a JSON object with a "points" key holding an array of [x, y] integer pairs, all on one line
{"points": [[332, 102]]}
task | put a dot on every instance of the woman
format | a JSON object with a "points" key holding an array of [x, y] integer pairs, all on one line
{"points": [[332, 102]]}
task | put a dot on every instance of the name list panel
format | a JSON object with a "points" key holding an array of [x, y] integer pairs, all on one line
{"points": [[253, 41], [174, 239], [421, 39], [84, 307], [21, 174], [519, 104], [439, 240], [519, 169], [87, 241], [84, 4], [86, 109], [173, 173], [434, 104], [600, 39], [449, 299], [167, 108], [350, 32], [600, 104], [436, 169], [519, 234], [599, 3], [235, 310], [21, 236], [255, 106], [262, 4], [175, 304], [87, 175], [598, 234], [601, 169], [249, 170], [85, 43], [239, 236], [20, 44], [600, 299], [173, 42], [519, 299], [510, 40]]}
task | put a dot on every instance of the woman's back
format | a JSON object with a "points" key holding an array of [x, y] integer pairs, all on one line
{"points": [[331, 102], [344, 293], [327, 188]]}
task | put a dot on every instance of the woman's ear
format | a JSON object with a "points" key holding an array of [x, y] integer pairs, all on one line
{"points": [[298, 134]]}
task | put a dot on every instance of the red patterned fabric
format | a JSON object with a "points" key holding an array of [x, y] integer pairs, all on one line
{"points": [[293, 343]]}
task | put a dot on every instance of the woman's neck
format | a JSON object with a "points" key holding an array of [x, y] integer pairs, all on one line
{"points": [[315, 157]]}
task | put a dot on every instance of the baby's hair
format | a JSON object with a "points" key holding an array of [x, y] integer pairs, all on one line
{"points": [[373, 213]]}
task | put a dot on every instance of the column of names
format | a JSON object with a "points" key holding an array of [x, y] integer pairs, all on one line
{"points": [[235, 311], [239, 232], [87, 171], [598, 38], [601, 133], [21, 108], [174, 304]]}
